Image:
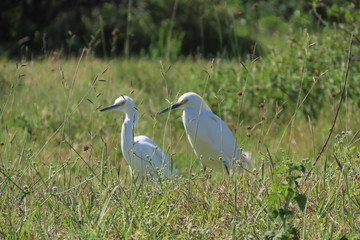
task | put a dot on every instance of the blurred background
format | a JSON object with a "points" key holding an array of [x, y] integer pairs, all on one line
{"points": [[162, 28]]}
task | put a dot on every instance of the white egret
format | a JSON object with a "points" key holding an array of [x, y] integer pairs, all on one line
{"points": [[145, 158], [211, 139]]}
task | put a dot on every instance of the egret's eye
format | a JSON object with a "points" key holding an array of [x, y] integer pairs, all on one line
{"points": [[184, 101], [120, 103]]}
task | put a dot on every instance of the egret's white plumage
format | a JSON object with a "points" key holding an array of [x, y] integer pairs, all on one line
{"points": [[211, 139], [141, 153]]}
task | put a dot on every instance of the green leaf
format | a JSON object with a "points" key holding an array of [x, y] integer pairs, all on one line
{"points": [[283, 212], [275, 213], [301, 168], [273, 199], [297, 180], [281, 169], [301, 201], [269, 235]]}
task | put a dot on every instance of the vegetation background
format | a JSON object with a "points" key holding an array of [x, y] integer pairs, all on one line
{"points": [[284, 75]]}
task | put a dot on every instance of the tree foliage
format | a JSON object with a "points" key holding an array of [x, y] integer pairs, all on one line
{"points": [[156, 27]]}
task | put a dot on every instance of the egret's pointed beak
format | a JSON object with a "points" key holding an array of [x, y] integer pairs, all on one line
{"points": [[108, 108], [174, 106]]}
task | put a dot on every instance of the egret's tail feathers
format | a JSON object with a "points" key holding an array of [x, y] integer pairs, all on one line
{"points": [[246, 159]]}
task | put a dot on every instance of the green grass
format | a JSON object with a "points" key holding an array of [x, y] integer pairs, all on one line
{"points": [[63, 174]]}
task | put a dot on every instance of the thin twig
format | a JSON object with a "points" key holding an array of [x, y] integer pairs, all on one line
{"points": [[318, 16], [341, 27], [77, 69], [15, 184], [127, 41], [87, 164], [168, 44], [268, 152], [337, 110], [338, 162]]}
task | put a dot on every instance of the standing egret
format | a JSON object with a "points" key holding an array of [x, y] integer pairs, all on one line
{"points": [[146, 159], [211, 139]]}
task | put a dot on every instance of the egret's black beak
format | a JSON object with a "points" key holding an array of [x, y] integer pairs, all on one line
{"points": [[108, 108], [174, 106]]}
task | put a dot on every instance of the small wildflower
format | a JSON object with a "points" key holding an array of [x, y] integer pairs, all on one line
{"points": [[26, 189], [20, 213], [349, 133], [248, 134], [248, 127], [239, 93], [261, 105]]}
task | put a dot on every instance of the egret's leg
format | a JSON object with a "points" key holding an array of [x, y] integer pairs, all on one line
{"points": [[227, 169]]}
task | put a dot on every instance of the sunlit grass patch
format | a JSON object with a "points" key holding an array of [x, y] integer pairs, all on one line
{"points": [[63, 174]]}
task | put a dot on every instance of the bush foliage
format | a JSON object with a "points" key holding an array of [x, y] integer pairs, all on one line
{"points": [[158, 28]]}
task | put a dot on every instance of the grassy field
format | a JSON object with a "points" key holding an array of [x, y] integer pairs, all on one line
{"points": [[63, 174]]}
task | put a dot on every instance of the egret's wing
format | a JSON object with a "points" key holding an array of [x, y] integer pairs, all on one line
{"points": [[163, 161], [142, 138], [152, 154], [206, 137], [220, 137]]}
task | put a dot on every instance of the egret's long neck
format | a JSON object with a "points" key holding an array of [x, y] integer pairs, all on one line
{"points": [[127, 133]]}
